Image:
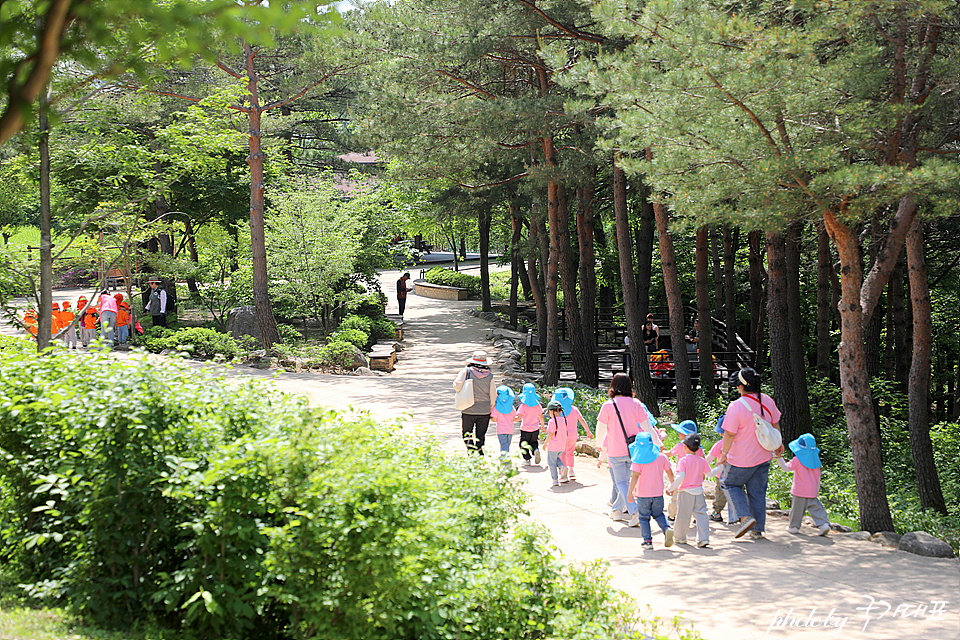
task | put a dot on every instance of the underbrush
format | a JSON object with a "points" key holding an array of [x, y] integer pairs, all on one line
{"points": [[137, 491]]}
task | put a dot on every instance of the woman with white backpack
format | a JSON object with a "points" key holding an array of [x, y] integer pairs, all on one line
{"points": [[751, 437]]}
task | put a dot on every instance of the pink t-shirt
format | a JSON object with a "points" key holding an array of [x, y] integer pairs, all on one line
{"points": [[572, 420], [716, 449], [530, 417], [746, 450], [558, 434], [679, 451], [504, 420], [694, 468], [650, 482], [108, 303], [633, 414], [806, 482]]}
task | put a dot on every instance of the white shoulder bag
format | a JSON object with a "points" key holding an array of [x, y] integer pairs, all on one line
{"points": [[464, 398]]}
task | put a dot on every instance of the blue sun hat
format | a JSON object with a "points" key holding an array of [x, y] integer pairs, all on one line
{"points": [[805, 448], [505, 398], [719, 428], [643, 451], [529, 396], [564, 395], [685, 428]]}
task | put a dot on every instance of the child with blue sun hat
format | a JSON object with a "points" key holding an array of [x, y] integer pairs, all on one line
{"points": [[646, 487], [565, 396], [720, 496], [685, 428], [805, 467], [530, 414], [504, 414]]}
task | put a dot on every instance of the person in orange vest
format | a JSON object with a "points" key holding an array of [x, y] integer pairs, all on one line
{"points": [[55, 322], [123, 322], [88, 325], [66, 316], [30, 320]]}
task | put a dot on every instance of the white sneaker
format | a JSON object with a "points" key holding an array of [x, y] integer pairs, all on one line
{"points": [[824, 529], [635, 520], [703, 544], [536, 457], [565, 475], [756, 535], [622, 516], [668, 538], [793, 530]]}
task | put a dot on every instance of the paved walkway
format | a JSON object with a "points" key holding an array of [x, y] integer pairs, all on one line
{"points": [[785, 586]]}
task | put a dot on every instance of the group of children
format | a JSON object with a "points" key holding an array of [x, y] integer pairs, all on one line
{"points": [[650, 465], [64, 316]]}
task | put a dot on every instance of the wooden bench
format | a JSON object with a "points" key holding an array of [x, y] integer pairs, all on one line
{"points": [[382, 358], [117, 278], [438, 291]]}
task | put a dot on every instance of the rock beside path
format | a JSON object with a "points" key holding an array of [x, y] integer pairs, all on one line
{"points": [[888, 539], [242, 321], [855, 535], [924, 544]]}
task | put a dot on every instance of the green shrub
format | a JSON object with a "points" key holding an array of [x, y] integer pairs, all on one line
{"points": [[360, 323], [337, 354], [356, 337], [383, 329], [199, 342], [369, 304], [289, 334], [451, 278]]}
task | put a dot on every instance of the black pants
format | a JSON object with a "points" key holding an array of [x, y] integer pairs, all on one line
{"points": [[160, 321], [529, 442], [474, 431], [403, 304]]}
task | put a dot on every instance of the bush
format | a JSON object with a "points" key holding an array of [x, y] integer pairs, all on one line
{"points": [[360, 323], [356, 337], [451, 278], [383, 329], [369, 304], [136, 491], [337, 354], [289, 334], [199, 342]]}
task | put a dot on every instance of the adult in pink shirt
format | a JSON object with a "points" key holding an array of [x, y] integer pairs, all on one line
{"points": [[620, 417], [748, 463], [108, 317]]}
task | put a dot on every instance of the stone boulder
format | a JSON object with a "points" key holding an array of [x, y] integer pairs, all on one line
{"points": [[587, 448], [356, 359], [924, 544], [364, 371], [772, 505], [888, 539], [840, 528], [507, 333], [242, 321], [855, 535]]}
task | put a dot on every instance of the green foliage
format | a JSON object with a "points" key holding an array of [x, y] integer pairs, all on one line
{"points": [[199, 342], [368, 304], [356, 337], [289, 334], [451, 278], [360, 323], [132, 490], [337, 354], [383, 329]]}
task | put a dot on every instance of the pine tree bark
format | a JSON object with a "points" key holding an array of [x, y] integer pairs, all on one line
{"points": [[781, 369], [798, 359], [730, 241], [483, 222], [757, 296], [718, 292], [587, 272], [631, 301], [686, 409], [582, 355], [855, 385], [516, 264], [551, 367], [824, 314], [705, 344], [536, 286], [901, 327], [918, 397], [645, 238], [45, 312]]}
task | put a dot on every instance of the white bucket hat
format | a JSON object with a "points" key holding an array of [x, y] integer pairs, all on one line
{"points": [[480, 357]]}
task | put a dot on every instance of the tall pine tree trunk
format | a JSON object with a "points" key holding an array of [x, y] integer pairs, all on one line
{"points": [[516, 265], [587, 272], [686, 409], [45, 312], [484, 218], [928, 483], [631, 302], [719, 298], [781, 369], [798, 360], [645, 238], [536, 287], [855, 385], [583, 357], [757, 296], [824, 314], [900, 329], [730, 241], [705, 344]]}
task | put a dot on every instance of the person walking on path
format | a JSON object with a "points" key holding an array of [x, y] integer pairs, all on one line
{"points": [[748, 462], [688, 488], [475, 419], [70, 336], [720, 496], [504, 415], [530, 412], [108, 317], [621, 418], [564, 396], [646, 483], [157, 303], [402, 291], [805, 468], [556, 440]]}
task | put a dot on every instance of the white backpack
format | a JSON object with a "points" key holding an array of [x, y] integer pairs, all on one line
{"points": [[768, 437]]}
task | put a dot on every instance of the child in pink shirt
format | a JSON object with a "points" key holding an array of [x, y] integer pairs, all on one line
{"points": [[688, 487], [805, 467], [676, 452], [574, 418], [504, 414], [530, 413], [646, 484], [556, 440]]}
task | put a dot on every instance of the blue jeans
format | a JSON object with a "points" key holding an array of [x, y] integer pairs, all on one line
{"points": [[505, 439], [123, 334], [754, 480], [620, 474], [554, 462], [108, 323], [651, 508]]}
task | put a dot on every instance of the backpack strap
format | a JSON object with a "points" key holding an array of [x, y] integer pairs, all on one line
{"points": [[758, 401]]}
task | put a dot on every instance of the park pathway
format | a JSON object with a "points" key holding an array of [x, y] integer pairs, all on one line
{"points": [[734, 589], [785, 586]]}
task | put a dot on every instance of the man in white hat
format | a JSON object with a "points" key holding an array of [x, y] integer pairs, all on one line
{"points": [[476, 418], [157, 303]]}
